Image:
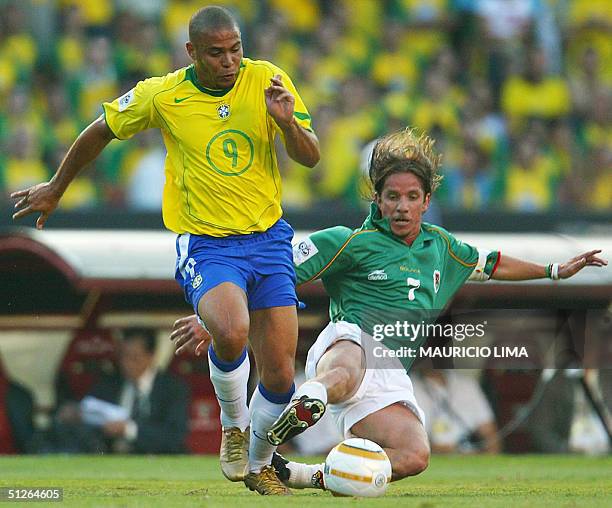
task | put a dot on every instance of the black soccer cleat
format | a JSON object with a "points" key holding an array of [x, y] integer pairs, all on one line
{"points": [[281, 468], [295, 419], [279, 463], [318, 481]]}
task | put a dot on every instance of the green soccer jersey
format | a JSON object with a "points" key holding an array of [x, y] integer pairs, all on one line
{"points": [[373, 278]]}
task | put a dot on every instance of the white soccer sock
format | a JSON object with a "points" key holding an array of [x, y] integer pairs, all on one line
{"points": [[300, 476], [313, 390], [265, 408], [230, 381]]}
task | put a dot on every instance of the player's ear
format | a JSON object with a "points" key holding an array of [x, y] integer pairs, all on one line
{"points": [[426, 202], [190, 50]]}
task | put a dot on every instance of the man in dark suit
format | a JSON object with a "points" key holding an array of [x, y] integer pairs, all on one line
{"points": [[16, 416], [157, 403]]}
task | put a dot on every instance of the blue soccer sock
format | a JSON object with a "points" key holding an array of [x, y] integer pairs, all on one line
{"points": [[265, 408], [230, 380]]}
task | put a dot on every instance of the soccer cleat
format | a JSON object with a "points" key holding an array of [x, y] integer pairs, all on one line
{"points": [[266, 482], [283, 471], [295, 419], [318, 481], [279, 463], [234, 453]]}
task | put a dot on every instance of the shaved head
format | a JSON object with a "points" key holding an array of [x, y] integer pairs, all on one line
{"points": [[211, 19]]}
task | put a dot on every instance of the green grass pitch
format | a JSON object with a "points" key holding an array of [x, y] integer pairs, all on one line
{"points": [[469, 481]]}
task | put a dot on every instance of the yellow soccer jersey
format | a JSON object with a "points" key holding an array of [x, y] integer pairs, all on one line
{"points": [[222, 175]]}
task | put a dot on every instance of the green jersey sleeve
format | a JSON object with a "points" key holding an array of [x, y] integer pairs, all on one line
{"points": [[481, 263], [322, 254], [487, 263], [466, 262]]}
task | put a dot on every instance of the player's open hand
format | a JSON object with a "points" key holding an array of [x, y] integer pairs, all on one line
{"points": [[41, 198], [280, 102], [189, 335], [574, 265]]}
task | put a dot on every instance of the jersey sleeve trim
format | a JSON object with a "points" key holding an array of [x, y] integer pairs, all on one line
{"points": [[452, 254], [487, 262], [499, 256], [344, 245], [303, 117], [106, 121]]}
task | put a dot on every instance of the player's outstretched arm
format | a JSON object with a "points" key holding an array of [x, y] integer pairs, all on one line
{"points": [[189, 335], [45, 197], [516, 269], [301, 144]]}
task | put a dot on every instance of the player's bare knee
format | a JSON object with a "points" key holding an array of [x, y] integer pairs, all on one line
{"points": [[411, 462], [229, 340], [343, 380], [420, 460], [278, 378]]}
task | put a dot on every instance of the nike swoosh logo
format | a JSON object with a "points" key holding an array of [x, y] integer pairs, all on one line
{"points": [[258, 436], [178, 101], [223, 400]]}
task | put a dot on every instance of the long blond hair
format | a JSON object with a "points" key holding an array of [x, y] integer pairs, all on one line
{"points": [[405, 151]]}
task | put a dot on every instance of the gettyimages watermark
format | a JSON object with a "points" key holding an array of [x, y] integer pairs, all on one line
{"points": [[492, 339], [412, 331], [457, 332]]}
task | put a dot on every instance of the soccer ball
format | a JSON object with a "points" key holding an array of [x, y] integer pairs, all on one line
{"points": [[357, 467]]}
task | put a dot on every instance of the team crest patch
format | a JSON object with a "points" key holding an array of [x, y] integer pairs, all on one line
{"points": [[436, 280], [223, 111], [197, 281], [303, 251]]}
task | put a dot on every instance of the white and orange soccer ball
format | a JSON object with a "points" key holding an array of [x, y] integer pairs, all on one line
{"points": [[357, 467]]}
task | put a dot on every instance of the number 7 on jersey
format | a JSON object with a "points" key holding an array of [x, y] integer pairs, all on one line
{"points": [[414, 285]]}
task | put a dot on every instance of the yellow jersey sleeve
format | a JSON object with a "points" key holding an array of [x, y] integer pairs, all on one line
{"points": [[133, 111]]}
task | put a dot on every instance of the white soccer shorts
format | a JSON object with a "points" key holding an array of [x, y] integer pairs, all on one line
{"points": [[379, 387]]}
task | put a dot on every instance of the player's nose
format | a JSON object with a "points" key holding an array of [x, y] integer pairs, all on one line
{"points": [[226, 60], [403, 205]]}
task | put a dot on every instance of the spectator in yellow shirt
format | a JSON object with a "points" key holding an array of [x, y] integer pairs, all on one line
{"points": [[530, 181], [535, 94]]}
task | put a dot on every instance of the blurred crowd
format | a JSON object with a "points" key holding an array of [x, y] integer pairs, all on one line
{"points": [[516, 93]]}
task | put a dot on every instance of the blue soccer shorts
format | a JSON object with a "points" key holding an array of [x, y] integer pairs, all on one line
{"points": [[259, 263]]}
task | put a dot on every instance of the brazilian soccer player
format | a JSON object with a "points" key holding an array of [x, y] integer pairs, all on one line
{"points": [[219, 118]]}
